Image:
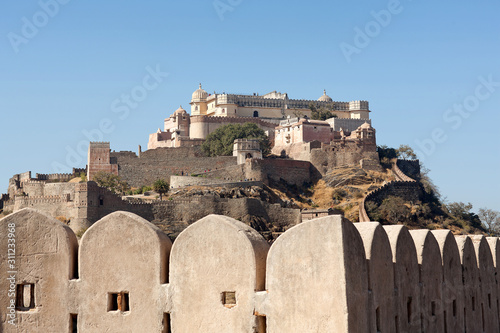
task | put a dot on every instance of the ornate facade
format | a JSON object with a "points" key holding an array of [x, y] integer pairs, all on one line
{"points": [[211, 111]]}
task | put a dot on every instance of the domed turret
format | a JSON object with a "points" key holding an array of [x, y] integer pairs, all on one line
{"points": [[180, 110], [199, 94], [366, 125], [325, 97]]}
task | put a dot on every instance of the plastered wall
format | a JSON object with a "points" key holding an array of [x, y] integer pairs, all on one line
{"points": [[220, 275]]}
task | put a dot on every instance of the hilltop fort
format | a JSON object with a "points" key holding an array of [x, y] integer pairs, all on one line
{"points": [[304, 150], [322, 273]]}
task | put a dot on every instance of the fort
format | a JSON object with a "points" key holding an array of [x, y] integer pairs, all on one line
{"points": [[220, 275], [228, 256], [304, 151]]}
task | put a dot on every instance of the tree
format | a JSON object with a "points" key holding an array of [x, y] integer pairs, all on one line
{"points": [[386, 152], [220, 142], [161, 186], [111, 181], [462, 213], [405, 152], [321, 113], [298, 114], [393, 209], [490, 219], [430, 188]]}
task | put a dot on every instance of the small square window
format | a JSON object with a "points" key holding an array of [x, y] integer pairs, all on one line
{"points": [[229, 299], [118, 302]]}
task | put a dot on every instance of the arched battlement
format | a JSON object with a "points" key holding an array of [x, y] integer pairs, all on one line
{"points": [[324, 275]]}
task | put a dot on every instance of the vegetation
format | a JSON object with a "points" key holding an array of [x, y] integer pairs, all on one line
{"points": [[140, 190], [83, 177], [491, 220], [321, 113], [386, 154], [63, 219], [220, 142], [405, 152], [80, 232], [161, 186], [111, 181]]}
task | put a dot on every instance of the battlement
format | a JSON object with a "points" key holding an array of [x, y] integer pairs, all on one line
{"points": [[55, 176], [97, 144], [43, 199], [323, 275], [358, 105]]}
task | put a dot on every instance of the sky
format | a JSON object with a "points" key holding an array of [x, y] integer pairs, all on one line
{"points": [[74, 71]]}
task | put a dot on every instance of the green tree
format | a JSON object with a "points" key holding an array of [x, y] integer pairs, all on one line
{"points": [[161, 186], [220, 142], [386, 152], [111, 181], [321, 113], [462, 213], [393, 209]]}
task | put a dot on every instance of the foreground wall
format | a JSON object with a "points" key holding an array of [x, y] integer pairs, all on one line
{"points": [[220, 275]]}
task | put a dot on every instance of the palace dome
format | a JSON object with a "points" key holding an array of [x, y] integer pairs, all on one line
{"points": [[180, 110], [325, 97], [199, 94]]}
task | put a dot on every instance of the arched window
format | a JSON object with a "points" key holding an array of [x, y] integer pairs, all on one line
{"points": [[256, 113], [248, 155]]}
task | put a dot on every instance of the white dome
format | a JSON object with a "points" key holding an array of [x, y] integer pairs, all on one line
{"points": [[325, 97], [199, 94]]}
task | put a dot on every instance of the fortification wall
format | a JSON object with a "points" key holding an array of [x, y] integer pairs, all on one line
{"points": [[173, 216], [56, 205], [220, 275], [411, 168], [183, 181], [51, 189], [161, 163], [328, 158], [276, 169], [403, 187], [62, 177], [33, 188]]}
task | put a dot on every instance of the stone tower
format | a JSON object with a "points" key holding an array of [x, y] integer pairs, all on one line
{"points": [[99, 159], [244, 149]]}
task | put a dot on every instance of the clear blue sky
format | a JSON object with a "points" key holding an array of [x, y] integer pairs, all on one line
{"points": [[423, 66]]}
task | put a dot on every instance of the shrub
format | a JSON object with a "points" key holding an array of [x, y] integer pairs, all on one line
{"points": [[339, 194], [80, 232]]}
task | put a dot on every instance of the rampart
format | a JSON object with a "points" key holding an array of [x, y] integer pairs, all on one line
{"points": [[62, 177], [161, 163], [293, 172], [404, 187], [183, 181], [324, 275], [411, 168]]}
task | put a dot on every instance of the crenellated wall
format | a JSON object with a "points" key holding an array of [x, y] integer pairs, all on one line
{"points": [[403, 187], [161, 163], [220, 275]]}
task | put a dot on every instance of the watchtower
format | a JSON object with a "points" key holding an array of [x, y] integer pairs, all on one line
{"points": [[244, 149]]}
